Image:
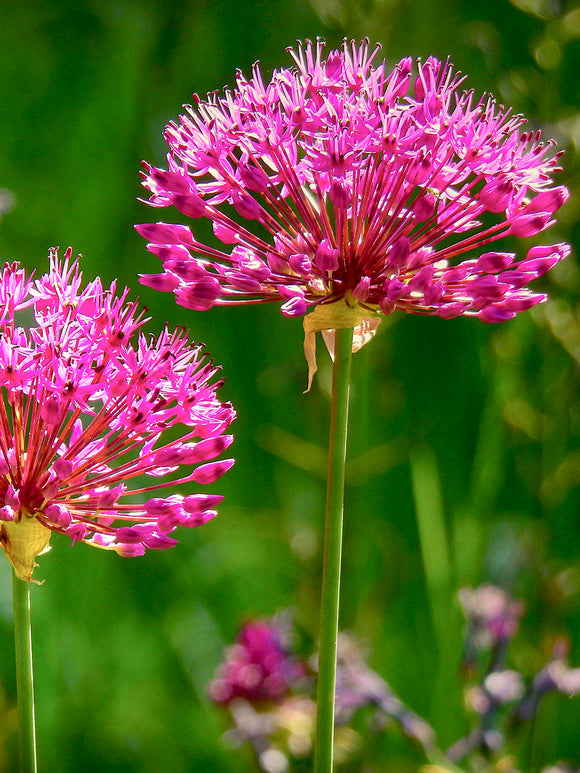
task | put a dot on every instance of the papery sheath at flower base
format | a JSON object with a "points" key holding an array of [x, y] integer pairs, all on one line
{"points": [[89, 402]]}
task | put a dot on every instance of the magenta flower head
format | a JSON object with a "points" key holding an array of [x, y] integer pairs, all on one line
{"points": [[351, 191], [89, 402], [258, 667]]}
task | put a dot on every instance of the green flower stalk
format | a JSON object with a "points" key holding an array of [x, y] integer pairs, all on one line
{"points": [[24, 674], [329, 606]]}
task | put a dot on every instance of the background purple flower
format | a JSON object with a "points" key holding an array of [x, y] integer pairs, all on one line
{"points": [[89, 401], [492, 615], [269, 695], [258, 667], [339, 181]]}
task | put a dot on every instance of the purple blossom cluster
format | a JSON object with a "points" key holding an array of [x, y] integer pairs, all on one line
{"points": [[258, 666], [340, 181], [89, 401]]}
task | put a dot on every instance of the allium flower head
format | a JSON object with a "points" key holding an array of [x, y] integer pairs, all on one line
{"points": [[89, 401], [351, 190], [258, 667]]}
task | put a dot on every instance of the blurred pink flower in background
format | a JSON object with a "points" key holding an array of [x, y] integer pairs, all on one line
{"points": [[258, 666]]}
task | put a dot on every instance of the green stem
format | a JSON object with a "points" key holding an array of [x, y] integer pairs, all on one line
{"points": [[24, 684], [323, 753]]}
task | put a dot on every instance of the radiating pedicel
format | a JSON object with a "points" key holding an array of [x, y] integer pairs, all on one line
{"points": [[89, 401]]}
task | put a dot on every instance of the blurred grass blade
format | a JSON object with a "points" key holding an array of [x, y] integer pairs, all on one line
{"points": [[446, 693]]}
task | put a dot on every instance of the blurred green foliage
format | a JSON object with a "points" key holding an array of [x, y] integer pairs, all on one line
{"points": [[490, 416]]}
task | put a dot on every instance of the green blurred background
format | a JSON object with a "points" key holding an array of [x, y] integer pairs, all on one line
{"points": [[488, 417]]}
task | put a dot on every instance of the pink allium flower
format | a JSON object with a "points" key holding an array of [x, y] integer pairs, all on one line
{"points": [[258, 667], [89, 401], [345, 188]]}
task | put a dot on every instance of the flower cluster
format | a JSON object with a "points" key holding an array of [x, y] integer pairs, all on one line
{"points": [[354, 191], [258, 667], [492, 621], [88, 401]]}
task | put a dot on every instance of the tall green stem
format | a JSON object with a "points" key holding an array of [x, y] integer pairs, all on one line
{"points": [[323, 753], [24, 684]]}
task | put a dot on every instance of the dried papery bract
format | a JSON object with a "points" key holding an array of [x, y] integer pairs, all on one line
{"points": [[351, 190], [89, 402]]}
